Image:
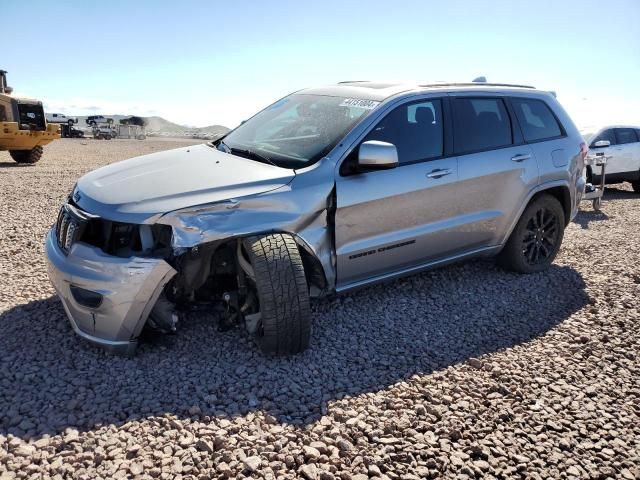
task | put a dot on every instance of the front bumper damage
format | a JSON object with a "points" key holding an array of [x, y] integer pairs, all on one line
{"points": [[126, 290]]}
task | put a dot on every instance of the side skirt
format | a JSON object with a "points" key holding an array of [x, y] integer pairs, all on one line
{"points": [[385, 277]]}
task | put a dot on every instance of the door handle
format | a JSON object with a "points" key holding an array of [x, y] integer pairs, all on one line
{"points": [[521, 157], [439, 172]]}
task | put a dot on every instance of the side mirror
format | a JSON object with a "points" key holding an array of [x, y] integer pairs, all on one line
{"points": [[601, 144], [375, 155]]}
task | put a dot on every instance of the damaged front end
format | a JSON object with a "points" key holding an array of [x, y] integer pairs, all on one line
{"points": [[114, 278], [108, 275], [210, 257]]}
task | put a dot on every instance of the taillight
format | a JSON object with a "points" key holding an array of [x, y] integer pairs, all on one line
{"points": [[583, 150]]}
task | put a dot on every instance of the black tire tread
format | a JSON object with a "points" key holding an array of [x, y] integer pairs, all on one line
{"points": [[510, 258], [27, 156], [283, 293]]}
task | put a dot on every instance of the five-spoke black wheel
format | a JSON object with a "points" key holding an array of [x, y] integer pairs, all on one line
{"points": [[536, 239]]}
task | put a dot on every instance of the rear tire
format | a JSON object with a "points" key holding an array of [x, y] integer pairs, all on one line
{"points": [[283, 295], [536, 240], [636, 186], [27, 156]]}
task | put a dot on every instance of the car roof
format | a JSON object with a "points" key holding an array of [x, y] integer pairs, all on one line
{"points": [[379, 91]]}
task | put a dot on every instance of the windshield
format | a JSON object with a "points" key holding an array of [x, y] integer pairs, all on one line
{"points": [[297, 130], [31, 116]]}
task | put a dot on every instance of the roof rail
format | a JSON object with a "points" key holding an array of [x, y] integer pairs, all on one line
{"points": [[475, 84], [354, 81]]}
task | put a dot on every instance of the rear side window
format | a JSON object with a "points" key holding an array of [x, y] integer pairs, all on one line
{"points": [[536, 119], [625, 135], [415, 129], [480, 124], [605, 135]]}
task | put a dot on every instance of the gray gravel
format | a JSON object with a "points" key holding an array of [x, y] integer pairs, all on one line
{"points": [[463, 372]]}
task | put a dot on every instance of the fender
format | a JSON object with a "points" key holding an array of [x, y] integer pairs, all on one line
{"points": [[535, 191], [305, 217]]}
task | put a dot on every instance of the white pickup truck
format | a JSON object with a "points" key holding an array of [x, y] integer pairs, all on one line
{"points": [[60, 118]]}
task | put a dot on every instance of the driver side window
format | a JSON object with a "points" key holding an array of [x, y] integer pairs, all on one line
{"points": [[606, 135], [415, 129]]}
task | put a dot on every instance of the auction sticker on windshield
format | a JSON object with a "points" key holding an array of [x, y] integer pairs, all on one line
{"points": [[358, 103]]}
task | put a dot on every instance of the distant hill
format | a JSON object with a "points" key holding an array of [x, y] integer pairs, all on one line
{"points": [[162, 127]]}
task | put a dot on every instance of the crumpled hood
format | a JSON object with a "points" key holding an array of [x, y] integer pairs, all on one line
{"points": [[139, 188]]}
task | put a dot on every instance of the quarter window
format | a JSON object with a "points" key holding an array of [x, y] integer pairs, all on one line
{"points": [[480, 124], [625, 135], [415, 129], [536, 119]]}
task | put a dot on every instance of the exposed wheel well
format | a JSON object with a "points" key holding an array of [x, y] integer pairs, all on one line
{"points": [[312, 269], [200, 266], [563, 196]]}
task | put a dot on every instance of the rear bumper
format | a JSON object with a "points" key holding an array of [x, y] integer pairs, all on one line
{"points": [[129, 288], [12, 138]]}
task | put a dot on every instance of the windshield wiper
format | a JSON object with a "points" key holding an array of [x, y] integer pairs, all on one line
{"points": [[250, 154]]}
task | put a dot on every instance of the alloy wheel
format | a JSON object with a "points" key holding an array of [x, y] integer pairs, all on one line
{"points": [[540, 239]]}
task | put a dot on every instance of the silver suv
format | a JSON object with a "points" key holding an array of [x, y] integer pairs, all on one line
{"points": [[324, 191]]}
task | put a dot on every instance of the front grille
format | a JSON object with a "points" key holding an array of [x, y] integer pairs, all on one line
{"points": [[68, 228], [113, 238]]}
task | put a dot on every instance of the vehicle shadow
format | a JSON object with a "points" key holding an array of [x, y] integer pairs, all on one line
{"points": [[619, 192], [585, 217], [15, 164], [363, 342]]}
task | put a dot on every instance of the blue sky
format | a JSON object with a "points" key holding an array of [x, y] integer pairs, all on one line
{"points": [[209, 62]]}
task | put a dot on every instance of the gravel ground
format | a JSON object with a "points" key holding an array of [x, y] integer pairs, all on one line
{"points": [[463, 372]]}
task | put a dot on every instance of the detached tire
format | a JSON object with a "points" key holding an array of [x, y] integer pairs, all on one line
{"points": [[536, 240], [27, 156], [283, 294]]}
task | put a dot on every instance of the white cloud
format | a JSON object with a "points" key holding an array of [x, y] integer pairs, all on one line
{"points": [[587, 112], [591, 113], [228, 111]]}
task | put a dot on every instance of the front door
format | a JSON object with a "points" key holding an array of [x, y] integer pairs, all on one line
{"points": [[390, 220]]}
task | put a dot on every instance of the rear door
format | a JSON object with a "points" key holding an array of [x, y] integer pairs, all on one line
{"points": [[391, 220], [496, 169]]}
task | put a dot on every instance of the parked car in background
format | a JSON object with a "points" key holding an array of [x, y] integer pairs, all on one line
{"points": [[104, 132], [622, 144], [60, 118], [324, 191], [97, 119]]}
